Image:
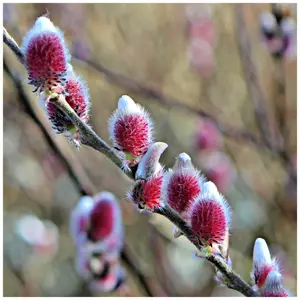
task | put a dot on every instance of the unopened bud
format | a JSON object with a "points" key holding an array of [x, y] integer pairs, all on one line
{"points": [[105, 229], [262, 263], [210, 218], [78, 98], [149, 164], [147, 193], [46, 55], [130, 129], [182, 184]]}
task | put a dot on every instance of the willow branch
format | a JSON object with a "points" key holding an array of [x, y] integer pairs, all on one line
{"points": [[256, 94], [90, 138], [81, 182], [74, 171], [12, 44], [169, 101], [233, 280], [87, 135]]}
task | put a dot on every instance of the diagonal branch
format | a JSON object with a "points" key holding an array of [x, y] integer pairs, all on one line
{"points": [[91, 139], [81, 182], [256, 94], [234, 280], [74, 171], [168, 101], [12, 44]]}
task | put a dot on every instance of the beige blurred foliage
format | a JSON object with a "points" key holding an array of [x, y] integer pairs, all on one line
{"points": [[148, 43]]}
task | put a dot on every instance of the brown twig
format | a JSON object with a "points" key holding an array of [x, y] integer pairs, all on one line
{"points": [[91, 139], [72, 169], [81, 181], [256, 94], [234, 280], [12, 44], [150, 285], [282, 116], [169, 101], [88, 136]]}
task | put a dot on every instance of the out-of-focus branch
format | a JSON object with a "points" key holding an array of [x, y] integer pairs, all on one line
{"points": [[151, 286], [81, 182], [278, 144], [168, 101], [256, 94], [75, 172], [283, 118], [234, 281], [91, 139]]}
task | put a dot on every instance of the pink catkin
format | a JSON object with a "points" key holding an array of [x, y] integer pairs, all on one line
{"points": [[147, 193], [208, 220], [46, 59], [182, 190], [131, 134], [77, 99], [101, 220], [207, 136]]}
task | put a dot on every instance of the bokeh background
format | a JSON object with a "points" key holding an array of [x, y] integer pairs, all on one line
{"points": [[177, 60]]}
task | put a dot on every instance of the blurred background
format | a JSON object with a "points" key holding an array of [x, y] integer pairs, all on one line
{"points": [[189, 65]]}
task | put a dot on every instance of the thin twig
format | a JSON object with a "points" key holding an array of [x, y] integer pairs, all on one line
{"points": [[169, 101], [81, 181], [234, 280], [12, 44], [283, 118], [71, 168], [256, 94], [151, 286], [91, 139], [88, 136]]}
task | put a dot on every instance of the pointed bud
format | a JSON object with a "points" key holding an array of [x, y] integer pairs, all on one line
{"points": [[208, 137], [210, 218], [273, 286], [130, 129], [46, 55], [80, 218], [149, 164], [78, 98], [182, 185], [105, 223], [262, 262], [147, 193]]}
